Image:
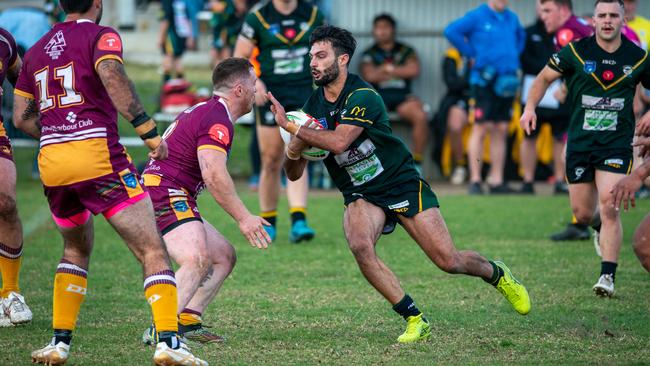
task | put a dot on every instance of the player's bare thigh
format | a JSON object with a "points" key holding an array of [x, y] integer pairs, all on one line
{"points": [[584, 200], [605, 181], [187, 243], [362, 223], [7, 185], [429, 230], [270, 144]]}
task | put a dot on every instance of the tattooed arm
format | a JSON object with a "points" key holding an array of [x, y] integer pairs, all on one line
{"points": [[27, 117], [120, 88]]}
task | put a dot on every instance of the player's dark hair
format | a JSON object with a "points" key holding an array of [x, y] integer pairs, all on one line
{"points": [[567, 3], [387, 18], [228, 71], [75, 6], [341, 39], [619, 2]]}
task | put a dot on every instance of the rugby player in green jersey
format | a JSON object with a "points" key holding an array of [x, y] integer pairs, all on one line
{"points": [[376, 174], [601, 73]]}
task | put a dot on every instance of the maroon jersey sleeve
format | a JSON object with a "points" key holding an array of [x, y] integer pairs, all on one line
{"points": [[215, 133], [107, 46], [25, 84]]}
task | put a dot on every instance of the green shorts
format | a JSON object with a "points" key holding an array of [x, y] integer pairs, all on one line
{"points": [[581, 166], [407, 199], [174, 45]]}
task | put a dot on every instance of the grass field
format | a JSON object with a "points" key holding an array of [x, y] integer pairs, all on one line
{"points": [[308, 304]]}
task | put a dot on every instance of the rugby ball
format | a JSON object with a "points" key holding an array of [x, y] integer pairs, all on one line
{"points": [[301, 118]]}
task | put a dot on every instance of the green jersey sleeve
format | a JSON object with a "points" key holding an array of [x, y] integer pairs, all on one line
{"points": [[563, 61], [363, 107], [251, 28]]}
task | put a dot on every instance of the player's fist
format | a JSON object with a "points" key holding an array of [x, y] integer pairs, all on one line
{"points": [[160, 152], [528, 121]]}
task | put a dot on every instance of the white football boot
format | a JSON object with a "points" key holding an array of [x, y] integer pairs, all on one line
{"points": [[16, 309], [166, 356], [52, 354], [605, 286]]}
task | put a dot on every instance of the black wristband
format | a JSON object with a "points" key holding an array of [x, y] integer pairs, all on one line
{"points": [[140, 119], [151, 133]]}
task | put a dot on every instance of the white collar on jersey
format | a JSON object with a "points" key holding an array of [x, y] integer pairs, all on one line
{"points": [[225, 106], [84, 21]]}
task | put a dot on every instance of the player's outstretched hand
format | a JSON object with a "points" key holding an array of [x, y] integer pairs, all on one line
{"points": [[528, 121], [252, 227], [624, 191], [278, 111], [161, 152]]}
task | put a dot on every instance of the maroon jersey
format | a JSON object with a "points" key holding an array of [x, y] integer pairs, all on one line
{"points": [[8, 57], [79, 139], [574, 29], [206, 125]]}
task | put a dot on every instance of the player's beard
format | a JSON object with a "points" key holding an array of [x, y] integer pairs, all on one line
{"points": [[99, 16], [330, 74]]}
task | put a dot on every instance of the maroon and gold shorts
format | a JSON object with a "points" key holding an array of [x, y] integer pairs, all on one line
{"points": [[5, 148], [72, 205], [173, 206]]}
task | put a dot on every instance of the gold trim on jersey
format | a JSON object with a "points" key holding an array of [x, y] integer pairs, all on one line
{"points": [[312, 19], [420, 198], [593, 74], [151, 180], [357, 119], [211, 147], [108, 57], [356, 90], [24, 94]]}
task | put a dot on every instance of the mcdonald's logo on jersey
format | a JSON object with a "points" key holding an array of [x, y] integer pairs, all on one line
{"points": [[358, 111]]}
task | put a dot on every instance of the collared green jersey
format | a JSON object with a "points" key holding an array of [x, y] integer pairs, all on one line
{"points": [[376, 160], [283, 42], [601, 92], [397, 56]]}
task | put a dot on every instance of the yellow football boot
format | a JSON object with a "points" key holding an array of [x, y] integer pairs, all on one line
{"points": [[417, 328], [513, 290]]}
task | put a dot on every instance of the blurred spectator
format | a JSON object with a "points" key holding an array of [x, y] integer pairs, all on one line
{"points": [[175, 37], [227, 19], [453, 110], [27, 24], [54, 11], [390, 66], [638, 23], [492, 38]]}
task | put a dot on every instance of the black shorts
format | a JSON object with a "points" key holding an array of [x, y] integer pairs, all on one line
{"points": [[559, 127], [488, 107], [407, 199], [581, 166], [174, 45], [393, 100], [286, 97]]}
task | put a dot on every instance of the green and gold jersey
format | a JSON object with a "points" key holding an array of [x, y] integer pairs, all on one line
{"points": [[376, 160], [601, 91], [397, 56], [283, 41]]}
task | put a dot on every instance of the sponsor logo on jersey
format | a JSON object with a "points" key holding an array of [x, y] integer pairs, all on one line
{"points": [[323, 122], [274, 29], [564, 36], [358, 111], [590, 66], [627, 70], [176, 192], [609, 62], [220, 133], [109, 42], [55, 46], [290, 33], [71, 117], [608, 75], [603, 103], [614, 163]]}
